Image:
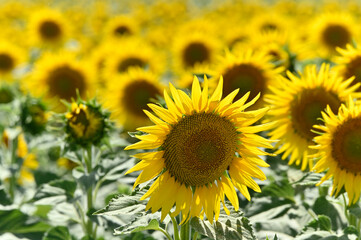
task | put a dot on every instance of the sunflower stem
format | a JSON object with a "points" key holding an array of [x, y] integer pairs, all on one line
{"points": [[13, 147], [195, 236], [185, 231], [175, 228], [88, 162], [165, 233]]}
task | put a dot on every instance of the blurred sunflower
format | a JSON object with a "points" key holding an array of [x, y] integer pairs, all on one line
{"points": [[194, 49], [349, 63], [249, 71], [11, 57], [128, 56], [48, 27], [331, 30], [296, 105], [270, 21], [127, 95], [59, 76], [205, 148], [338, 149], [120, 26]]}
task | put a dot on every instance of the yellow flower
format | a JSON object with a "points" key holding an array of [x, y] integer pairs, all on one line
{"points": [[58, 76], [120, 26], [349, 63], [296, 105], [66, 163], [127, 96], [249, 71], [30, 163], [338, 149], [129, 56], [331, 30], [11, 56], [85, 124], [48, 27], [204, 148], [194, 49]]}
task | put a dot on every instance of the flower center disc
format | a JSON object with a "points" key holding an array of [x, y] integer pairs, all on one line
{"points": [[247, 78], [195, 53], [50, 30], [121, 30], [64, 81], [346, 145], [130, 62], [336, 36], [199, 148], [306, 108], [137, 95], [354, 69], [6, 62]]}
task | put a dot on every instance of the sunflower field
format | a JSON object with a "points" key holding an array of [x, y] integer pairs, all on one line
{"points": [[180, 119]]}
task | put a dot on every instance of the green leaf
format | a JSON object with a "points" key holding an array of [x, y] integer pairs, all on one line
{"points": [[4, 197], [42, 177], [55, 192], [57, 233], [133, 210], [147, 222], [16, 222], [322, 223], [355, 210], [233, 226], [324, 207], [310, 179], [281, 189], [123, 205]]}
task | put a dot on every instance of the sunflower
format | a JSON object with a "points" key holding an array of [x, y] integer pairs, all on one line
{"points": [[192, 50], [128, 56], [296, 105], [127, 95], [11, 57], [205, 147], [338, 149], [331, 30], [48, 27], [60, 76], [249, 71], [86, 124], [349, 63], [270, 22], [120, 26]]}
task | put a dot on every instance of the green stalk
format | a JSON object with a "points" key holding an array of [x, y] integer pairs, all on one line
{"points": [[185, 231], [13, 147], [195, 235], [175, 228], [88, 162], [165, 233]]}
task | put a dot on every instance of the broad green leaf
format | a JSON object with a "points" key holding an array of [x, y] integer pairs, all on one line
{"points": [[131, 208], [233, 226], [55, 192], [146, 222], [16, 222], [58, 233], [42, 177], [123, 205], [355, 210], [322, 223], [322, 206], [310, 179], [281, 189], [4, 197]]}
